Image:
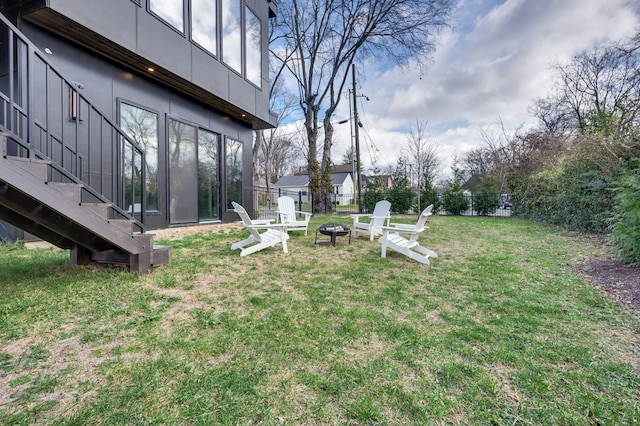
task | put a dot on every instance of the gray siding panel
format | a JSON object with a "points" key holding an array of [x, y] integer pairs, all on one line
{"points": [[87, 70], [114, 19], [242, 93], [163, 45], [213, 76]]}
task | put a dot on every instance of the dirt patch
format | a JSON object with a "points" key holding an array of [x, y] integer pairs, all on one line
{"points": [[181, 231], [615, 278]]}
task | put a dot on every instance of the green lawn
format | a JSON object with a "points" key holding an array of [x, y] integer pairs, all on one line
{"points": [[497, 330]]}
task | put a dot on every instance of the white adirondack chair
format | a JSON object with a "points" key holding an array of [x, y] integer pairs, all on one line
{"points": [[289, 215], [275, 233], [376, 220], [410, 247]]}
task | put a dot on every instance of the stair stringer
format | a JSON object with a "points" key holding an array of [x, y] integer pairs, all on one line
{"points": [[49, 212]]}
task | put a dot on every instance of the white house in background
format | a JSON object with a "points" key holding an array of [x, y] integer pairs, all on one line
{"points": [[343, 189], [297, 186]]}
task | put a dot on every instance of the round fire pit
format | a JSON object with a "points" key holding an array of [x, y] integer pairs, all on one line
{"points": [[333, 230]]}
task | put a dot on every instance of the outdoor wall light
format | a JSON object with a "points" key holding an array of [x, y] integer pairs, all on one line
{"points": [[74, 101]]}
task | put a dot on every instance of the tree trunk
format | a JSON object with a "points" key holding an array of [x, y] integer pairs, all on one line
{"points": [[257, 146], [326, 168], [313, 168]]}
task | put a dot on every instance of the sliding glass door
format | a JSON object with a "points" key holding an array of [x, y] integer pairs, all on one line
{"points": [[194, 190], [208, 182], [183, 173], [234, 171]]}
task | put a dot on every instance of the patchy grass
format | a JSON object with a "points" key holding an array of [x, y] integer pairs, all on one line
{"points": [[497, 330]]}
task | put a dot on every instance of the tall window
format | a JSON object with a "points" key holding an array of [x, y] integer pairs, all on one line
{"points": [[204, 24], [208, 202], [234, 171], [232, 34], [254, 48], [172, 11], [183, 178], [141, 125]]}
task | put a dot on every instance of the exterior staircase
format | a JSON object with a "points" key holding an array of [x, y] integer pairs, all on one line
{"points": [[61, 168], [93, 231]]}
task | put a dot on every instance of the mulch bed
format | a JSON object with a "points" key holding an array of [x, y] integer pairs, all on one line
{"points": [[616, 278]]}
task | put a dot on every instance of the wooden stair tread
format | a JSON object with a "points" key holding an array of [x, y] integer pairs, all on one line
{"points": [[54, 212]]}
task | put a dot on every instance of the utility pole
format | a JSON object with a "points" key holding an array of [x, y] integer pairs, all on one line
{"points": [[356, 124]]}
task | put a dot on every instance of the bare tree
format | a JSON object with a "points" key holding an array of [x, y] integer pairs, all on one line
{"points": [[273, 151], [509, 154], [299, 137], [278, 156], [497, 158], [423, 153], [598, 90], [321, 39], [281, 102]]}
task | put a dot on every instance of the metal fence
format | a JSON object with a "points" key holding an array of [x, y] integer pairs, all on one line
{"points": [[465, 204]]}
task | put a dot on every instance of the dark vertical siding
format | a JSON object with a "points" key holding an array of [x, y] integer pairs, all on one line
{"points": [[105, 83]]}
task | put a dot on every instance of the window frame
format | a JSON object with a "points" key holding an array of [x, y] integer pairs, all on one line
{"points": [[222, 38], [120, 102], [162, 19], [246, 49], [227, 141], [216, 54], [218, 165]]}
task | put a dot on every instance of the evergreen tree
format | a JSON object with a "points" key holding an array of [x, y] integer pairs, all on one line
{"points": [[374, 192], [401, 196], [487, 199], [455, 202]]}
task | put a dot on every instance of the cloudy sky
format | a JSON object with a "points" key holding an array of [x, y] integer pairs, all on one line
{"points": [[492, 66]]}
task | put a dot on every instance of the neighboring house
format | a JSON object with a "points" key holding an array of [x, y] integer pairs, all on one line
{"points": [[297, 186], [345, 168], [95, 86], [385, 180], [343, 188], [264, 196]]}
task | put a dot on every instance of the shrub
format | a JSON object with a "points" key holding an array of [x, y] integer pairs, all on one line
{"points": [[453, 199], [487, 200], [370, 198], [400, 196], [455, 202], [401, 199], [486, 203], [373, 194], [573, 199], [625, 232], [431, 197]]}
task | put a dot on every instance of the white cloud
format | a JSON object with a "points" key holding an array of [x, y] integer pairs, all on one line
{"points": [[493, 67]]}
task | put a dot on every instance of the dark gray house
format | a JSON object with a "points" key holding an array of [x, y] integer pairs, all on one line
{"points": [[136, 113]]}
